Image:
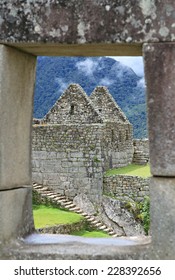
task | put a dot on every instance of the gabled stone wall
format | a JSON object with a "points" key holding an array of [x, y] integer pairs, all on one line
{"points": [[106, 105], [73, 106]]}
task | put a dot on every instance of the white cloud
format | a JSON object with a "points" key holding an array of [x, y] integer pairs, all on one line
{"points": [[134, 62], [87, 66], [141, 82], [62, 85], [105, 82]]}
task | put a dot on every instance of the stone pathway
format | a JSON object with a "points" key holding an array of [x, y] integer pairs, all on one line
{"points": [[66, 203]]}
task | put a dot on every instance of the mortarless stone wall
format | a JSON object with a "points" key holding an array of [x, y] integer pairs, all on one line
{"points": [[141, 151], [73, 106], [71, 158], [76, 142], [67, 158], [122, 186]]}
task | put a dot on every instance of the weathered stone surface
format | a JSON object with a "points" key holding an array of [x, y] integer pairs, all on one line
{"points": [[73, 106], [17, 73], [63, 229], [141, 151], [162, 217], [115, 215], [62, 247], [160, 73], [82, 201], [16, 218], [106, 105], [87, 21], [133, 187]]}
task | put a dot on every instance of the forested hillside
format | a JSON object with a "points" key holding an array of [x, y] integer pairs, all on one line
{"points": [[54, 74]]}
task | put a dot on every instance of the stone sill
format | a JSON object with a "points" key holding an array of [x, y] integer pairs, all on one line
{"points": [[64, 247]]}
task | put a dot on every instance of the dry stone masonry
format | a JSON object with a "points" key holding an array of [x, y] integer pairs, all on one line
{"points": [[126, 187], [141, 151], [77, 141]]}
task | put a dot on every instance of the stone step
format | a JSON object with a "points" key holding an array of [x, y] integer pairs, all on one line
{"points": [[99, 224], [49, 194], [115, 235], [75, 209], [61, 196], [90, 219], [46, 192], [62, 200], [52, 196], [79, 211], [36, 184], [70, 206], [102, 227], [85, 215], [37, 187], [95, 222], [68, 203], [42, 189], [107, 230], [111, 232]]}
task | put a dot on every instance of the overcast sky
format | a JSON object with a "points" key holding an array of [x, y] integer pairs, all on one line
{"points": [[135, 62]]}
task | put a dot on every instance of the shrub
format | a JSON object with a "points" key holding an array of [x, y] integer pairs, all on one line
{"points": [[141, 211]]}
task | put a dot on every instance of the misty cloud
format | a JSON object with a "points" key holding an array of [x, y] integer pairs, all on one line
{"points": [[134, 62], [141, 83], [62, 84], [106, 82], [87, 66]]}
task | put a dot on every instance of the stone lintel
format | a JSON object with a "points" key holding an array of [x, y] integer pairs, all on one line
{"points": [[160, 74], [87, 49], [87, 21]]}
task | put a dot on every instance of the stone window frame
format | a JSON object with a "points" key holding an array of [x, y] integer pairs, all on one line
{"points": [[16, 189]]}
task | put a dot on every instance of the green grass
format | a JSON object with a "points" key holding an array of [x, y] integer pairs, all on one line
{"points": [[86, 233], [132, 169], [49, 216]]}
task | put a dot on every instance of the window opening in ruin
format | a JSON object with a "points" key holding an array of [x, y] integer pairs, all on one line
{"points": [[72, 151], [72, 108], [127, 135]]}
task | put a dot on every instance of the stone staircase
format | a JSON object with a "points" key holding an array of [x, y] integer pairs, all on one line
{"points": [[68, 204]]}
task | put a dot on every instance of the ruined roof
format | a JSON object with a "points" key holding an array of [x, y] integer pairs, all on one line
{"points": [[107, 106], [74, 106]]}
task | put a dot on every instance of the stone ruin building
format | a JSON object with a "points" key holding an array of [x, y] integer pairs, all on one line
{"points": [[99, 28], [79, 139]]}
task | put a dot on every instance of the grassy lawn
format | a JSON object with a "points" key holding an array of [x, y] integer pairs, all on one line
{"points": [[86, 233], [49, 216], [132, 169]]}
